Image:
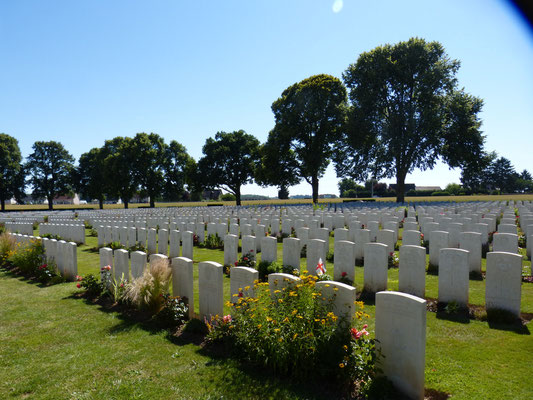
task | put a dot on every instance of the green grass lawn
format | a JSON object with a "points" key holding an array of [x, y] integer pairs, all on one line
{"points": [[57, 346]]}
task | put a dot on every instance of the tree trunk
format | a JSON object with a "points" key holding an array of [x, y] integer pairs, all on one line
{"points": [[101, 203], [50, 203], [152, 202], [314, 185], [3, 204], [400, 188], [126, 204], [238, 195]]}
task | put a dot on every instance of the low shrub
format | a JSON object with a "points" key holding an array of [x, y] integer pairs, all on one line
{"points": [[265, 268], [213, 242], [394, 260], [92, 285], [296, 333], [174, 311], [7, 246], [28, 257]]}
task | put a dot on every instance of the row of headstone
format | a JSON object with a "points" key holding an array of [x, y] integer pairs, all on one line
{"points": [[62, 253], [24, 228], [71, 232], [162, 241]]}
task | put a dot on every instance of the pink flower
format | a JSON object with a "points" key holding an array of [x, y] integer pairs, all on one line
{"points": [[226, 319], [357, 334]]}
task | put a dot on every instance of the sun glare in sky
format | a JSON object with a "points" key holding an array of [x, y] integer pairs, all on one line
{"points": [[337, 6]]}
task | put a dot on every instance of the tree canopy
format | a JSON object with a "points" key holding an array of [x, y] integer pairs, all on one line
{"points": [[119, 168], [406, 112], [309, 117], [91, 175], [229, 161], [175, 168], [11, 171], [278, 166], [50, 167], [149, 152]]}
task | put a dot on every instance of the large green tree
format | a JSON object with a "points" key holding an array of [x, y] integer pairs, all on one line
{"points": [[11, 170], [175, 168], [310, 116], [229, 161], [407, 112], [119, 167], [278, 166], [50, 168], [503, 175], [149, 152], [91, 175]]}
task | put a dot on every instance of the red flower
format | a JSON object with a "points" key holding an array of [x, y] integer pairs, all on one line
{"points": [[240, 294], [78, 285], [344, 273], [236, 263]]}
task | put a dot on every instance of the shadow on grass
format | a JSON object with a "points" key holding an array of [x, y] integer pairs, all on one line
{"points": [[506, 321]]}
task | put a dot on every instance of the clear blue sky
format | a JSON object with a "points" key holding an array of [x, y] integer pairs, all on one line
{"points": [[81, 72]]}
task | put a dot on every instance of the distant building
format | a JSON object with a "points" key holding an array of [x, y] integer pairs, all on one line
{"points": [[429, 188], [211, 194], [407, 186]]}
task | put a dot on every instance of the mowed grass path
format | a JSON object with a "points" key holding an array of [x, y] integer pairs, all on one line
{"points": [[55, 346]]}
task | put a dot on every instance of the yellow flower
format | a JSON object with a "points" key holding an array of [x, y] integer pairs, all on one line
{"points": [[341, 365], [276, 330], [345, 348], [295, 335], [277, 291], [269, 319], [294, 311], [286, 319], [280, 300], [247, 288], [259, 326], [280, 340]]}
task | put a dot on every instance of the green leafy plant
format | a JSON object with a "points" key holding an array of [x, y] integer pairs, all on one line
{"points": [[394, 260], [115, 245], [48, 273], [137, 247], [7, 247], [118, 289], [295, 332], [28, 257], [265, 268], [174, 311], [93, 287], [213, 242]]}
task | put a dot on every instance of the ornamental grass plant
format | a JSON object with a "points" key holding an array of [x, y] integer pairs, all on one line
{"points": [[146, 292]]}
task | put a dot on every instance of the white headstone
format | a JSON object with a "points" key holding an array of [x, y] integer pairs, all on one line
{"points": [[412, 274], [211, 295], [138, 263], [376, 265], [503, 282], [183, 279], [453, 276], [242, 281], [401, 338], [344, 260], [291, 252]]}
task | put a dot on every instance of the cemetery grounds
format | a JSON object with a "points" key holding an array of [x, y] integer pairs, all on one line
{"points": [[56, 345]]}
